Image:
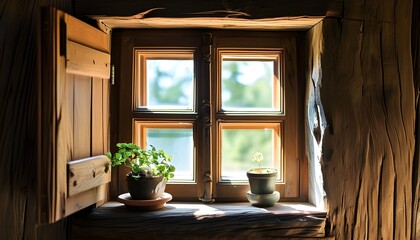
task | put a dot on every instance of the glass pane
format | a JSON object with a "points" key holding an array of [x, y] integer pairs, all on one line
{"points": [[170, 84], [248, 85], [238, 147], [178, 143]]}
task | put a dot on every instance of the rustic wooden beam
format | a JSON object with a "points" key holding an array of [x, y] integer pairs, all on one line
{"points": [[200, 221], [247, 9], [367, 95]]}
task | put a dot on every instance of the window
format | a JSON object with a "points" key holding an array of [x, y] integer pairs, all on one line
{"points": [[164, 80], [212, 99]]}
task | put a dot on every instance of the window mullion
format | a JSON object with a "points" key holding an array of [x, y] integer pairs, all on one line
{"points": [[206, 121]]}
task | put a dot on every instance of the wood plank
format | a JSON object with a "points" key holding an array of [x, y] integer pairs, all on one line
{"points": [[65, 128], [87, 173], [290, 130], [86, 61], [82, 200], [102, 195], [106, 115], [82, 33], [97, 117], [200, 221], [209, 8], [286, 23], [82, 117]]}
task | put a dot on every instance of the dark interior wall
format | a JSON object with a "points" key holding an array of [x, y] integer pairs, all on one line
{"points": [[415, 43], [364, 87], [20, 24]]}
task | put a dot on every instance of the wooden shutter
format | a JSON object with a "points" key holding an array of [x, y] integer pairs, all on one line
{"points": [[73, 119]]}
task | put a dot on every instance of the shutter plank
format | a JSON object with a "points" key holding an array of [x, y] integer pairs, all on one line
{"points": [[82, 117], [83, 33], [97, 117], [87, 173], [82, 60]]}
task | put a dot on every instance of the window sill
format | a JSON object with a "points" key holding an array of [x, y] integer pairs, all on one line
{"points": [[200, 221]]}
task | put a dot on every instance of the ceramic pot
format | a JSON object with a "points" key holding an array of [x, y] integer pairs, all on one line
{"points": [[262, 183], [145, 188]]}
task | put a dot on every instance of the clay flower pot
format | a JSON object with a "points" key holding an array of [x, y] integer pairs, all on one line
{"points": [[146, 188], [262, 183]]}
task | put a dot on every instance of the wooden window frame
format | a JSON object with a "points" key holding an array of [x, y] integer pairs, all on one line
{"points": [[255, 54], [294, 186], [141, 56], [140, 140], [276, 126]]}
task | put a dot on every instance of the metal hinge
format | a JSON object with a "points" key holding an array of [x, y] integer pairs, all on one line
{"points": [[207, 41], [112, 74]]}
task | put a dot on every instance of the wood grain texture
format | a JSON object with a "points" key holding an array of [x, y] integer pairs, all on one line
{"points": [[106, 115], [346, 45], [98, 117], [85, 61], [20, 41], [415, 49], [285, 23], [199, 221], [210, 8], [87, 173], [82, 117], [80, 32], [65, 120], [366, 91]]}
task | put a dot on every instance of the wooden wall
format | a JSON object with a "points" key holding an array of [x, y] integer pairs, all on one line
{"points": [[363, 84], [369, 70], [415, 44], [19, 72]]}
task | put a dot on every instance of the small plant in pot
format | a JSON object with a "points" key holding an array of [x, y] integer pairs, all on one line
{"points": [[262, 183], [150, 169]]}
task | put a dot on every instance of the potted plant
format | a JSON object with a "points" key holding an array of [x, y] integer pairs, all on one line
{"points": [[262, 183], [150, 169]]}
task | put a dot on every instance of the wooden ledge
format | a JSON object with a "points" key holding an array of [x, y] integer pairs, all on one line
{"points": [[199, 221]]}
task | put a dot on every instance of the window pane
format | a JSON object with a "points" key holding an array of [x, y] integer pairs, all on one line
{"points": [[164, 80], [248, 85], [170, 84], [176, 141], [238, 147]]}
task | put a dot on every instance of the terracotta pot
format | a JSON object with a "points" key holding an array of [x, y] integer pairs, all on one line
{"points": [[145, 188], [262, 183]]}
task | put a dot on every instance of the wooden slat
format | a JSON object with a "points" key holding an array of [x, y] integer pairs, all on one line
{"points": [[106, 115], [208, 8], [82, 117], [87, 173], [86, 61], [292, 136], [296, 23], [97, 117], [80, 32], [65, 129], [81, 201], [64, 96]]}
